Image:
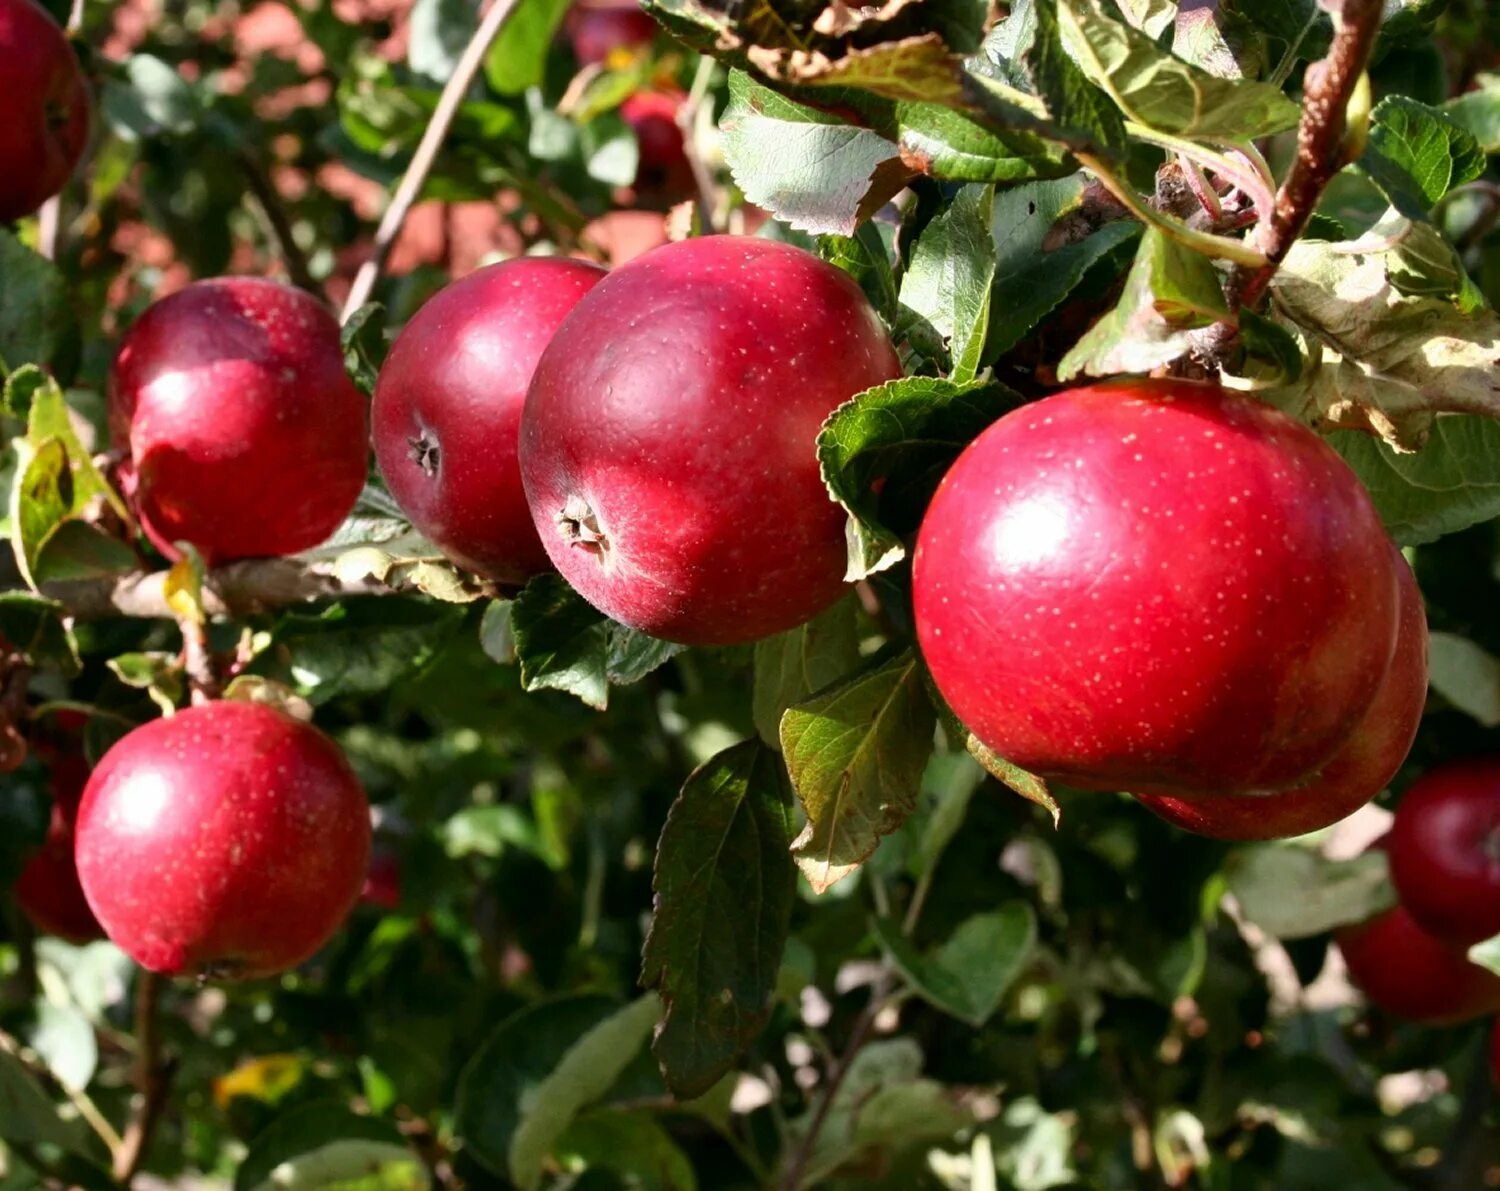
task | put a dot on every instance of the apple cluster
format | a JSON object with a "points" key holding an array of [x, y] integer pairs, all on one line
{"points": [[1162, 587], [1444, 851]]}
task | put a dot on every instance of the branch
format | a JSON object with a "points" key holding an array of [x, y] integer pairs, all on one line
{"points": [[278, 226], [1322, 147], [238, 590], [426, 153], [153, 1080], [687, 122]]}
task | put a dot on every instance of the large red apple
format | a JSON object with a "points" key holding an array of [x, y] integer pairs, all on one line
{"points": [[1156, 586], [1445, 850], [447, 410], [668, 443], [598, 30], [45, 105], [245, 435], [230, 840], [1411, 974], [48, 890], [1358, 771]]}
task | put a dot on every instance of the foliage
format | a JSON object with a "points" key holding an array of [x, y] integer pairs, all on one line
{"points": [[727, 918]]}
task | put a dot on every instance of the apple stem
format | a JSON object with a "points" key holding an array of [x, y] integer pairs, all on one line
{"points": [[153, 1080], [410, 186], [199, 662]]}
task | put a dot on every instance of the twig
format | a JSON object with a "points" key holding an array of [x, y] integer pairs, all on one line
{"points": [[198, 662], [238, 590], [1322, 150], [687, 121], [278, 227], [426, 153], [153, 1079]]}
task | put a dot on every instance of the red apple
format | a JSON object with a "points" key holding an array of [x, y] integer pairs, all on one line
{"points": [[1445, 850], [668, 443], [597, 30], [1411, 974], [47, 890], [447, 409], [46, 108], [663, 165], [1358, 771], [1156, 586], [230, 840], [245, 435]]}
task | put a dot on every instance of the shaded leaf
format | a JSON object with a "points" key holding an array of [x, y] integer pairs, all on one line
{"points": [[362, 338], [801, 661], [1170, 292], [1293, 892], [633, 1145], [855, 754], [35, 626], [1478, 111], [323, 1144], [947, 283], [967, 974], [724, 886], [35, 317], [1466, 675], [886, 449]]}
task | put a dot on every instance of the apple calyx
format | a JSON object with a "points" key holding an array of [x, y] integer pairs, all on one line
{"points": [[580, 526]]}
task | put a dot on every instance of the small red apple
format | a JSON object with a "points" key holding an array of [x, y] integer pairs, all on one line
{"points": [[663, 164], [245, 435], [1411, 974], [668, 444], [47, 890], [1156, 586], [382, 885], [1445, 850], [1358, 771], [230, 840], [46, 108], [447, 409], [597, 30]]}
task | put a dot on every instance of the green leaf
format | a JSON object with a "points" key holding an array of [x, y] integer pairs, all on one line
{"points": [[1416, 154], [324, 1145], [866, 257], [800, 662], [48, 416], [35, 627], [632, 1145], [947, 282], [967, 974], [724, 886], [1028, 785], [1165, 93], [64, 1038], [954, 146], [148, 98], [1451, 483], [158, 674], [1076, 110], [1479, 112], [35, 317], [1170, 292], [27, 1115], [1272, 354], [561, 642], [362, 338], [518, 58], [77, 550], [564, 644], [439, 31], [1043, 248], [1293, 892], [1363, 371], [510, 1074], [41, 498], [807, 168], [611, 153], [855, 754], [949, 782], [356, 648], [884, 450], [1466, 675], [582, 1076]]}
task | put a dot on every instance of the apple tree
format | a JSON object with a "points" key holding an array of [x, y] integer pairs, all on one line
{"points": [[697, 595]]}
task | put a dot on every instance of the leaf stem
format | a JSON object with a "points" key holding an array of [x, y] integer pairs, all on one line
{"points": [[427, 150], [687, 121], [1250, 181], [1221, 247]]}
